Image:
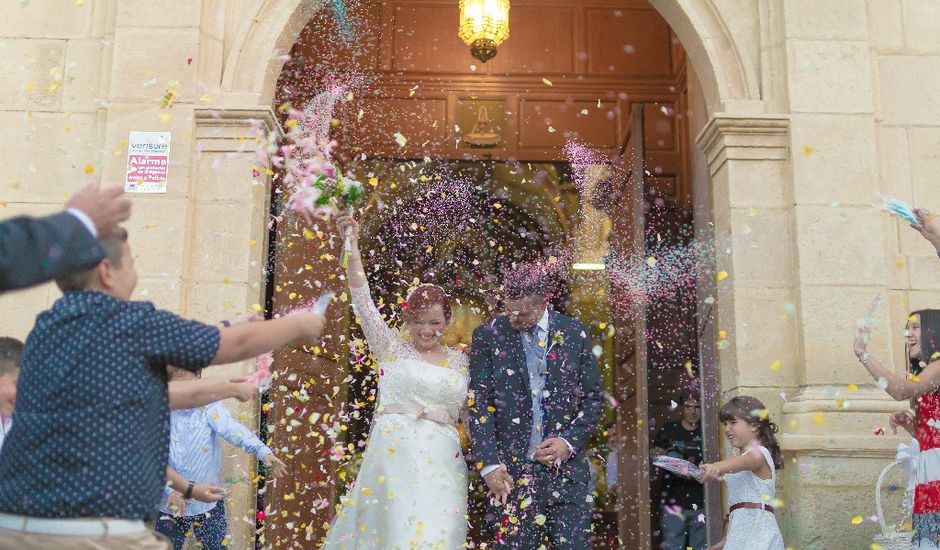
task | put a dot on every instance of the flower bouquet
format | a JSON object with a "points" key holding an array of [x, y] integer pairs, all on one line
{"points": [[314, 185]]}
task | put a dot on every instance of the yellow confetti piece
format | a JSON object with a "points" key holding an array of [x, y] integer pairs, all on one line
{"points": [[808, 150], [651, 261], [540, 519], [373, 181], [818, 418], [165, 117], [722, 334], [257, 307], [547, 82], [722, 275], [857, 520], [852, 387], [89, 169], [776, 365], [291, 123]]}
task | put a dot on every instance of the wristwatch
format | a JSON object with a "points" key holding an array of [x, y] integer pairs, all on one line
{"points": [[189, 490]]}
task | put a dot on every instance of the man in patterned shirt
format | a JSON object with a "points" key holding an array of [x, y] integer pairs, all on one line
{"points": [[85, 462]]}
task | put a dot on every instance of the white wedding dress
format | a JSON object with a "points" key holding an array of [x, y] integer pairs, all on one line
{"points": [[750, 528], [411, 491]]}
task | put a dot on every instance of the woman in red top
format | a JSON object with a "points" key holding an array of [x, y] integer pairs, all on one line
{"points": [[922, 386]]}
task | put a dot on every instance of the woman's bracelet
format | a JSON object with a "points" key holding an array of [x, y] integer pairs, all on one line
{"points": [[189, 490], [863, 358]]}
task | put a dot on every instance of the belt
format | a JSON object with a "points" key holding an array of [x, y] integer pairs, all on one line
{"points": [[419, 412], [76, 527], [751, 506]]}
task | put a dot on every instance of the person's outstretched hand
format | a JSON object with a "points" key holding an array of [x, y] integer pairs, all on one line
{"points": [[862, 333], [347, 225], [103, 206], [243, 390], [311, 325], [274, 465], [904, 419], [929, 226], [203, 492]]}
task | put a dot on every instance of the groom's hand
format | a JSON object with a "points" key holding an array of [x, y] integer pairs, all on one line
{"points": [[553, 450], [499, 483]]}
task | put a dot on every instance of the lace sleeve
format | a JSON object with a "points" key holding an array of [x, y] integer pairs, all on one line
{"points": [[378, 334], [459, 361]]}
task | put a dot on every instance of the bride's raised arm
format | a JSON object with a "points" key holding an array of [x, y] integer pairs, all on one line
{"points": [[378, 334]]}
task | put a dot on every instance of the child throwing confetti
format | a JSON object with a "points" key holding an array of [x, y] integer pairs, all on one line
{"points": [[196, 454], [750, 476]]}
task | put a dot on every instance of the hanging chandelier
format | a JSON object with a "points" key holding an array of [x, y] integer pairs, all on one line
{"points": [[484, 25]]}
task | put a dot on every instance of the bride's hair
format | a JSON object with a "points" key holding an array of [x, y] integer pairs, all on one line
{"points": [[425, 297]]}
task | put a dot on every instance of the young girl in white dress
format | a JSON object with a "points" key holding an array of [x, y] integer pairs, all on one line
{"points": [[750, 476], [411, 491]]}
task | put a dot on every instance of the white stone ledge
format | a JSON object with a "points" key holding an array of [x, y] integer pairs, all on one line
{"points": [[744, 137], [840, 445]]}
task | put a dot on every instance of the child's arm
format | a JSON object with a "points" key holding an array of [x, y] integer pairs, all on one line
{"points": [[253, 339], [189, 394], [746, 462], [240, 436], [203, 492], [234, 431]]}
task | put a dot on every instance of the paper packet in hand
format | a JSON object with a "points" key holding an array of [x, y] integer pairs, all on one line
{"points": [[323, 302], [678, 466], [899, 208]]}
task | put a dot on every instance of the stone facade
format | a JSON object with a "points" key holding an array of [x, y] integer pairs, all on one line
{"points": [[811, 109]]}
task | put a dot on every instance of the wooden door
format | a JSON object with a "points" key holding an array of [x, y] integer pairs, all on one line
{"points": [[627, 240]]}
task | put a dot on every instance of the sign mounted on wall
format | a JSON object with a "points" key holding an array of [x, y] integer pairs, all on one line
{"points": [[148, 162]]}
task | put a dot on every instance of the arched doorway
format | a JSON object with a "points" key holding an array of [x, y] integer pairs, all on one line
{"points": [[731, 84]]}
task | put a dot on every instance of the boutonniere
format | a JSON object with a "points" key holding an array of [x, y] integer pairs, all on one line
{"points": [[557, 339]]}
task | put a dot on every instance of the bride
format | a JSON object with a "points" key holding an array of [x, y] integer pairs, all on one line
{"points": [[411, 491]]}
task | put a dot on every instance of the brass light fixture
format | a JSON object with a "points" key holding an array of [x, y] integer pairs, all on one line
{"points": [[484, 25]]}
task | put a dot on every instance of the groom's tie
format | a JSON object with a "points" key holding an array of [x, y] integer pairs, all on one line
{"points": [[537, 347], [537, 366]]}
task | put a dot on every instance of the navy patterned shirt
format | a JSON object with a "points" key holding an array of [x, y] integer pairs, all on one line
{"points": [[90, 432]]}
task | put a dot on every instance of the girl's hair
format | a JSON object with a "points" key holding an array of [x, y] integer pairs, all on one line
{"points": [[750, 409], [424, 298], [929, 338]]}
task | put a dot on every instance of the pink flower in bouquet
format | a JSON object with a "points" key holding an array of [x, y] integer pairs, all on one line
{"points": [[260, 376]]}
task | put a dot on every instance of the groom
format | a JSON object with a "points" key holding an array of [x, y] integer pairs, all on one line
{"points": [[536, 398]]}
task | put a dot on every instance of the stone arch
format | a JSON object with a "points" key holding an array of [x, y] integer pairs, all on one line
{"points": [[726, 75], [252, 66]]}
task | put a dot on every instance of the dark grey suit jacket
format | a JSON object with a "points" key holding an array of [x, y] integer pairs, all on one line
{"points": [[34, 251], [501, 414]]}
